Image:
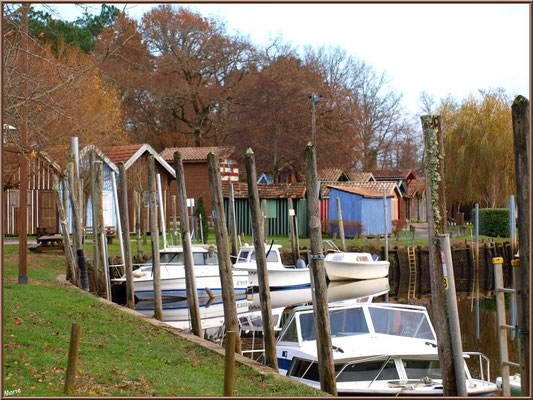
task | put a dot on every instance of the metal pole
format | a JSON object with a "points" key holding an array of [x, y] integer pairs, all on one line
{"points": [[161, 211], [453, 314], [386, 235], [341, 224], [130, 293], [477, 269], [201, 228], [313, 120], [154, 238], [119, 224]]}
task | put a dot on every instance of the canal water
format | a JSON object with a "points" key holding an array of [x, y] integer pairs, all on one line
{"points": [[176, 313]]}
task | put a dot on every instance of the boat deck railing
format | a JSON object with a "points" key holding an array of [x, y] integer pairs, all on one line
{"points": [[481, 357], [332, 244]]}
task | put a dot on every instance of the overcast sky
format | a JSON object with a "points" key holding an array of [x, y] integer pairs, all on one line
{"points": [[442, 49]]}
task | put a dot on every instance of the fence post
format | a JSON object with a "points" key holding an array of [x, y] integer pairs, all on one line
{"points": [[190, 279], [261, 262], [221, 235], [72, 365], [520, 115], [318, 279], [154, 236]]}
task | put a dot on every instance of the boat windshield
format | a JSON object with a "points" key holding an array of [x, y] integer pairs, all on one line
{"points": [[417, 369], [243, 256], [272, 256], [344, 322], [197, 258], [398, 322]]}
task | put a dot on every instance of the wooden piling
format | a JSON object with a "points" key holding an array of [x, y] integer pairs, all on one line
{"points": [[100, 230], [432, 170], [72, 364], [138, 225], [501, 320], [295, 250], [76, 228], [124, 215], [233, 224], [221, 235], [154, 236], [96, 243], [190, 279], [520, 115], [269, 338], [341, 225], [69, 256], [318, 279], [229, 362], [174, 222]]}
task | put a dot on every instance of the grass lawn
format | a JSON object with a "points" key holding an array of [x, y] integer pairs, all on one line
{"points": [[120, 355]]}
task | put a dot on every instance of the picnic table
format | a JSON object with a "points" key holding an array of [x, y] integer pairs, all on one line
{"points": [[48, 243]]}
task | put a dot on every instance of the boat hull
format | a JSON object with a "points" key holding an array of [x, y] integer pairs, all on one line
{"points": [[344, 266]]}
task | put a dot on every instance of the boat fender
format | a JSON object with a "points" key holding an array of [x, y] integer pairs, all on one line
{"points": [[300, 263]]}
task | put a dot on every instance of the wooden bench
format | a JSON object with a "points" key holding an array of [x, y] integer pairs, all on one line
{"points": [[110, 232], [48, 243]]}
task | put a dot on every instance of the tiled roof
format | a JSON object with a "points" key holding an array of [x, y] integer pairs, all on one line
{"points": [[389, 174], [391, 187], [122, 153], [196, 153], [361, 176], [361, 191], [329, 174], [279, 191]]}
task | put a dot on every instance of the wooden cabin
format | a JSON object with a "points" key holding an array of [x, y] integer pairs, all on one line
{"points": [[404, 177]]}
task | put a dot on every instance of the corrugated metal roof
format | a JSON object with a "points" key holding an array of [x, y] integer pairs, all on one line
{"points": [[197, 153], [292, 190], [390, 187], [389, 174]]}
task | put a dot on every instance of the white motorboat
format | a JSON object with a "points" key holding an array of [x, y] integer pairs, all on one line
{"points": [[352, 266], [279, 276], [206, 271], [378, 349], [515, 384]]}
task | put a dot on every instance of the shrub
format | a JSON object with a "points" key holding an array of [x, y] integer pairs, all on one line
{"points": [[494, 222]]}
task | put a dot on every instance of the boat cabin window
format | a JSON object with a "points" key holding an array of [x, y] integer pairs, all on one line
{"points": [[401, 323], [363, 258], [304, 369], [204, 259], [171, 258], [344, 322], [291, 334], [367, 371], [416, 369], [243, 256], [272, 256]]}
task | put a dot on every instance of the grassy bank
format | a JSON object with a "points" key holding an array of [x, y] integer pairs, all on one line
{"points": [[120, 355]]}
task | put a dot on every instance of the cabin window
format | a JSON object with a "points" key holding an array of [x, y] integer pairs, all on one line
{"points": [[363, 258], [416, 369], [304, 369], [367, 371], [243, 256], [211, 260], [198, 258], [291, 334], [171, 258], [347, 322], [271, 257], [401, 323]]}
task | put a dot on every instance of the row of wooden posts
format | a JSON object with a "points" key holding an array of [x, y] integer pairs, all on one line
{"points": [[441, 268]]}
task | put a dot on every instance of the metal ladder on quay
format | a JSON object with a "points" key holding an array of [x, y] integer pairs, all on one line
{"points": [[411, 255], [503, 327]]}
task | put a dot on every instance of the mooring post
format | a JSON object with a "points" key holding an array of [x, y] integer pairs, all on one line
{"points": [[190, 279], [318, 279], [76, 228], [138, 224], [386, 235], [261, 262], [146, 222], [69, 256], [161, 210], [520, 115], [229, 362], [72, 363], [174, 222], [154, 236], [119, 222], [265, 218], [100, 229], [295, 252], [453, 314], [502, 332], [233, 224], [512, 233], [123, 180], [476, 268], [436, 224], [221, 235], [341, 225], [96, 242]]}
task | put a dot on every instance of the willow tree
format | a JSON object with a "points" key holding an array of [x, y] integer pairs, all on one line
{"points": [[479, 149]]}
